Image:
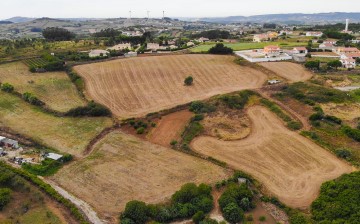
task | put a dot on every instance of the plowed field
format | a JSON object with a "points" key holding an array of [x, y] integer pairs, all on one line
{"points": [[137, 86], [287, 70], [289, 165]]}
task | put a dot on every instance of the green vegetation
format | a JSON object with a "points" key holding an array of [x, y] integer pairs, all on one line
{"points": [[30, 98], [314, 65], [213, 34], [6, 87], [188, 80], [201, 107], [235, 200], [35, 63], [57, 34], [190, 201], [237, 100], [352, 133], [220, 49], [140, 130], [334, 64], [5, 196], [91, 110], [47, 167], [191, 131], [339, 201]]}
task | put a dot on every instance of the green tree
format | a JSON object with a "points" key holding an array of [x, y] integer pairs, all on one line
{"points": [[233, 213], [334, 64], [137, 211], [6, 87], [189, 80], [5, 196], [315, 65], [220, 49], [199, 216]]}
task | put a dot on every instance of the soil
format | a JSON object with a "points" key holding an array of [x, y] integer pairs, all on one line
{"points": [[288, 70]]}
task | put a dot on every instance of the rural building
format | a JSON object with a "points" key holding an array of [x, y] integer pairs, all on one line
{"points": [[7, 142], [132, 33], [203, 39], [355, 41], [120, 47], [260, 38], [189, 44], [327, 46], [153, 46], [314, 34], [299, 58], [346, 50], [53, 156], [300, 50], [130, 54], [285, 32], [273, 81], [272, 50], [350, 55], [330, 41], [98, 53], [348, 63]]}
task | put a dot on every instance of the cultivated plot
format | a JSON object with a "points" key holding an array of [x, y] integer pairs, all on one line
{"points": [[66, 134], [289, 165], [53, 88], [137, 86], [288, 70], [123, 168]]}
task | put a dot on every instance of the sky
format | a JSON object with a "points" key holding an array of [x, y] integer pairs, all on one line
{"points": [[172, 8]]}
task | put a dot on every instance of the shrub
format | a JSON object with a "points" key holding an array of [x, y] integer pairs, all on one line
{"points": [[140, 130], [173, 142], [6, 87], [220, 49], [92, 109], [343, 153], [237, 101], [333, 119], [57, 34], [315, 65], [352, 133], [198, 117], [233, 213], [193, 130], [188, 81], [47, 167], [294, 125], [30, 98], [201, 107], [250, 218], [334, 64], [199, 216], [5, 196], [262, 218]]}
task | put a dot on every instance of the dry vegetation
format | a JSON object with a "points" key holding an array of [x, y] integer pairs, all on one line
{"points": [[288, 70], [137, 86], [289, 165], [169, 128], [69, 135], [124, 168], [53, 88], [348, 112]]}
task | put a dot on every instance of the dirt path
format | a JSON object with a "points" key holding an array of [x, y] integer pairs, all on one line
{"points": [[303, 120], [289, 165], [82, 205]]}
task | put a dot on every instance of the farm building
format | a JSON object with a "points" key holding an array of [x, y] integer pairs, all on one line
{"points": [[120, 47], [300, 50], [8, 142], [189, 44], [273, 81], [203, 39], [53, 156], [314, 34], [346, 50], [327, 46], [272, 50], [153, 46], [98, 53], [265, 36], [130, 54], [350, 55]]}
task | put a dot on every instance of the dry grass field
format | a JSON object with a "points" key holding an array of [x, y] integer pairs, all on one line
{"points": [[53, 88], [137, 86], [169, 127], [69, 135], [288, 70], [123, 168], [289, 165]]}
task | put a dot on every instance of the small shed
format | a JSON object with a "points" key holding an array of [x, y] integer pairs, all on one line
{"points": [[53, 156], [273, 81], [242, 180], [8, 142]]}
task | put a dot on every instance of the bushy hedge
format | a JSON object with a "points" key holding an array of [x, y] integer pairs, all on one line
{"points": [[185, 203], [352, 133], [47, 167], [339, 201], [5, 196], [7, 87], [237, 100], [92, 110], [32, 99], [193, 130], [201, 107]]}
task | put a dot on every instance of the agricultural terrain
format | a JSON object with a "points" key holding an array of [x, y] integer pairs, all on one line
{"points": [[53, 88], [70, 135], [134, 87], [123, 168], [290, 166], [288, 70]]}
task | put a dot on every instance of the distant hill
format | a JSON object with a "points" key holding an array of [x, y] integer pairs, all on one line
{"points": [[5, 22], [294, 18], [19, 19]]}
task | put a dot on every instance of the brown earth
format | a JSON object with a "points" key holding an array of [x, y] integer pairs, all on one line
{"points": [[290, 166], [169, 127], [288, 70], [123, 168], [134, 87]]}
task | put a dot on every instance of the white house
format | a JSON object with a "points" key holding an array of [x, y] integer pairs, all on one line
{"points": [[120, 47], [300, 50], [98, 53], [203, 39], [189, 44], [153, 46], [328, 46], [314, 34], [346, 50], [53, 156], [130, 54], [348, 63]]}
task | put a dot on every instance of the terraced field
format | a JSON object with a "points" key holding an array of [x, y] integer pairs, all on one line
{"points": [[289, 165], [123, 168], [53, 88], [137, 86]]}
